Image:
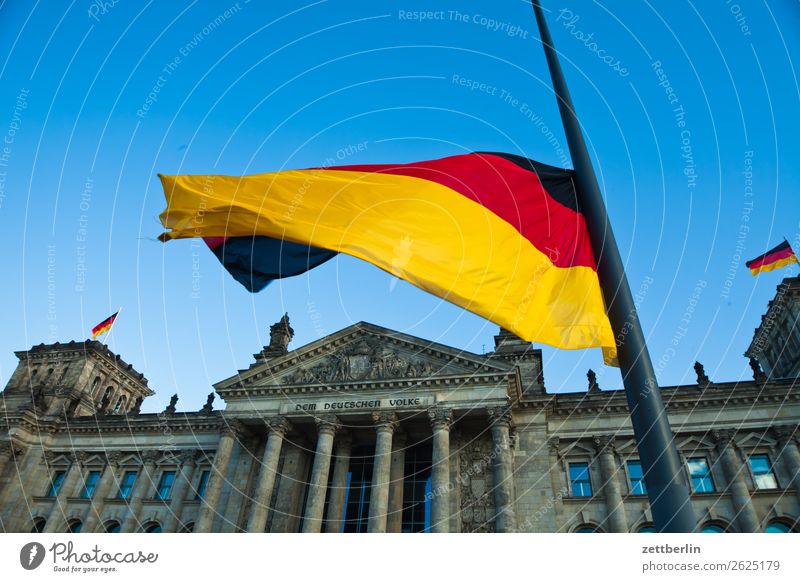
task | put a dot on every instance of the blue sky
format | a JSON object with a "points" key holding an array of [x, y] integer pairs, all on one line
{"points": [[690, 110]]}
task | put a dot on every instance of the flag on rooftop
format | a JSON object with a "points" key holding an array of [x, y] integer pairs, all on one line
{"points": [[104, 325], [781, 256]]}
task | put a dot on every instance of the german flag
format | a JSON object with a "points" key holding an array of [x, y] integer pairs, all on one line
{"points": [[776, 258], [104, 325], [498, 234]]}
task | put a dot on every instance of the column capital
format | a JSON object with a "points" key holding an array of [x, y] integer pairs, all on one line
{"points": [[385, 421], [10, 448], [604, 443], [722, 437], [328, 423], [554, 445], [186, 457], [232, 428], [113, 458], [786, 433], [500, 416], [279, 425], [440, 417], [150, 457]]}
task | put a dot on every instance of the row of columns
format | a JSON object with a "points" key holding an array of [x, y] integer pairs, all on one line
{"points": [[109, 479], [386, 498], [734, 471]]}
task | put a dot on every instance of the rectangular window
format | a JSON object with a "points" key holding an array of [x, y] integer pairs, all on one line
{"points": [[165, 484], [90, 484], [126, 486], [202, 484], [763, 475], [55, 484], [581, 485], [702, 482], [636, 476]]}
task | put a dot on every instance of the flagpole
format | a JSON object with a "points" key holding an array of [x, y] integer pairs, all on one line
{"points": [[664, 478]]}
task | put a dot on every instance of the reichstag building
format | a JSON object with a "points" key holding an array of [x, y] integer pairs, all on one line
{"points": [[372, 430]]}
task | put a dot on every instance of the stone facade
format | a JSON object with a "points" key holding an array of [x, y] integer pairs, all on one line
{"points": [[374, 430], [776, 341]]}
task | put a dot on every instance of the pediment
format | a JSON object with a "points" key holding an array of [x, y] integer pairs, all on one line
{"points": [[365, 353]]}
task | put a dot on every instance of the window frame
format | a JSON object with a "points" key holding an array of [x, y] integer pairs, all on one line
{"points": [[160, 485], [772, 472], [85, 492], [202, 486], [588, 465], [709, 474], [631, 487], [122, 483], [53, 489]]}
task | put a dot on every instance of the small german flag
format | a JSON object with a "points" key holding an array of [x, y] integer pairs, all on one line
{"points": [[776, 258], [103, 326]]}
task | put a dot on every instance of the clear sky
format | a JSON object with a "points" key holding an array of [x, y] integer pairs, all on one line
{"points": [[690, 110]]}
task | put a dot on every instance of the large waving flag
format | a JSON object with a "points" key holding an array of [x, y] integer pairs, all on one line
{"points": [[497, 234], [781, 256], [104, 325]]}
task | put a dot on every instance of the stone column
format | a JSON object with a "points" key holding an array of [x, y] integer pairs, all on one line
{"points": [[746, 516], [104, 489], [787, 438], [338, 494], [143, 485], [616, 520], [315, 505], [229, 436], [57, 515], [385, 423], [440, 468], [6, 454], [394, 523], [276, 430], [187, 460], [502, 464]]}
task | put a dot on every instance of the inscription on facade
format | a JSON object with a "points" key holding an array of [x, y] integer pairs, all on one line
{"points": [[353, 405]]}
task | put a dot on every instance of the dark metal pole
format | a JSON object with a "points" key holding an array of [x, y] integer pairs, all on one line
{"points": [[666, 486]]}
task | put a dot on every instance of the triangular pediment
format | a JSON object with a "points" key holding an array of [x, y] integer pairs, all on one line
{"points": [[365, 353]]}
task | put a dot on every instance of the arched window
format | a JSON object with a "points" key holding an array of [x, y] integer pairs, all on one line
{"points": [[587, 528], [38, 525], [777, 527], [152, 527], [120, 405], [74, 526], [62, 376], [712, 528], [112, 527], [95, 383], [647, 528], [48, 375]]}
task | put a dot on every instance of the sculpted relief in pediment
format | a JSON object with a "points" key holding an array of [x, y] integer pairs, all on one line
{"points": [[366, 359]]}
